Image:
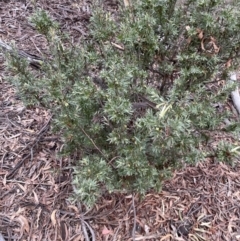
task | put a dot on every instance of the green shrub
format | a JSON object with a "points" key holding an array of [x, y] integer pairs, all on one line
{"points": [[135, 98]]}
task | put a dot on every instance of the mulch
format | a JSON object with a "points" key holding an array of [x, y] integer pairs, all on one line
{"points": [[199, 202]]}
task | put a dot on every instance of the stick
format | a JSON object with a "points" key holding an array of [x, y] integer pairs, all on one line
{"points": [[33, 60]]}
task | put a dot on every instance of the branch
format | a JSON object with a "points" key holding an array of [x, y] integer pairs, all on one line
{"points": [[33, 60], [92, 141]]}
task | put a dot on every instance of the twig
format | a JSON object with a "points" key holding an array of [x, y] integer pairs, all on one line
{"points": [[84, 229], [93, 238], [150, 103], [117, 46], [92, 141], [154, 237], [32, 183], [85, 225], [35, 61], [134, 223], [74, 236], [18, 165]]}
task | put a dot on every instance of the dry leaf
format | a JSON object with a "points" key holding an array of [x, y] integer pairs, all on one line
{"points": [[106, 231], [200, 35], [202, 44], [216, 48], [74, 208], [35, 197], [168, 236], [189, 39], [22, 187], [127, 3], [117, 46], [4, 181], [129, 196], [38, 216], [78, 238], [24, 223], [229, 63], [53, 217], [146, 229], [63, 231]]}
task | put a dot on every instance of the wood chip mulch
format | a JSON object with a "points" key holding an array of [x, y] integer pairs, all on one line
{"points": [[197, 203]]}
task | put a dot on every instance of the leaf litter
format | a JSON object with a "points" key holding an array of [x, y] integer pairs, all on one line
{"points": [[198, 203]]}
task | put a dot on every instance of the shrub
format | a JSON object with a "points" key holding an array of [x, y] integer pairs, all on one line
{"points": [[135, 98]]}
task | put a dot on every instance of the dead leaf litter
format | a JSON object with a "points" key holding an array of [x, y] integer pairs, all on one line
{"points": [[197, 203]]}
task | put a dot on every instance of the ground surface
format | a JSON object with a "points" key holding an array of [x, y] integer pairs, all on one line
{"points": [[198, 203]]}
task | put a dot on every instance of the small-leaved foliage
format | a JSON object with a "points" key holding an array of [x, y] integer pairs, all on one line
{"points": [[136, 99]]}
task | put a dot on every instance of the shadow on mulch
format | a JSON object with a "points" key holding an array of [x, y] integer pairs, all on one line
{"points": [[198, 203]]}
